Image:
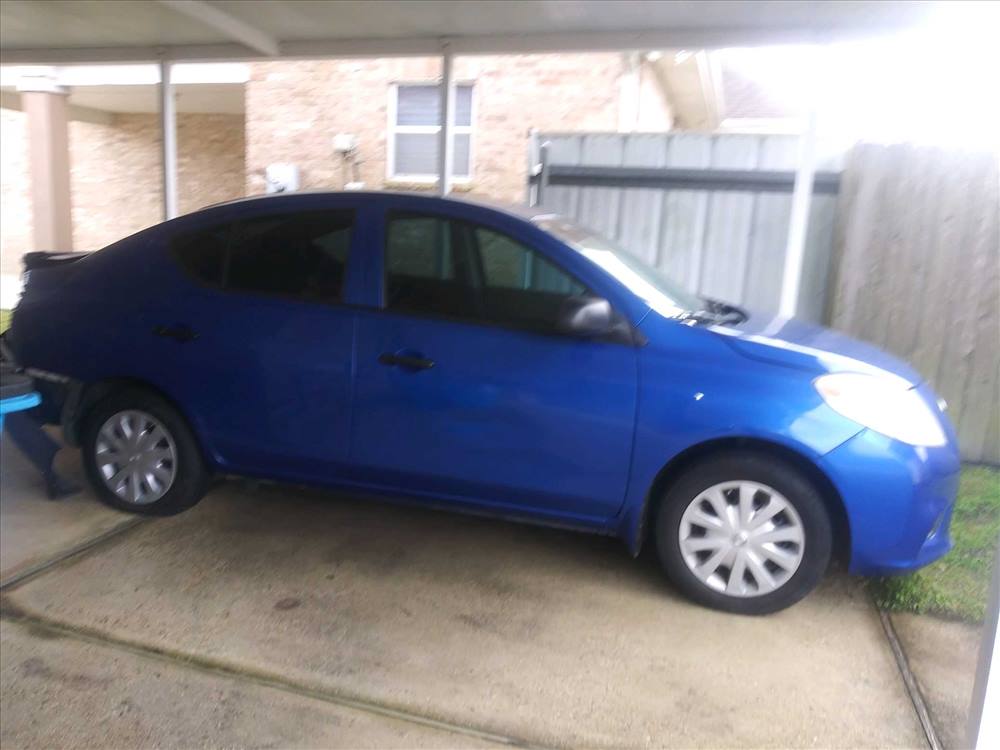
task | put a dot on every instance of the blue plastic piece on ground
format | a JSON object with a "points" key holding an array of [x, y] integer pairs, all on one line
{"points": [[18, 403]]}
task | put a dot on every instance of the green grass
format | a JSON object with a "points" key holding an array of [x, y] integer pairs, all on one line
{"points": [[956, 586], [4, 320]]}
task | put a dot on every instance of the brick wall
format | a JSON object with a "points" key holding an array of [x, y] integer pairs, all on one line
{"points": [[117, 182], [115, 179], [293, 110], [116, 176]]}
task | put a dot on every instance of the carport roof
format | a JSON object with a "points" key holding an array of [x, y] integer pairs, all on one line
{"points": [[76, 31]]}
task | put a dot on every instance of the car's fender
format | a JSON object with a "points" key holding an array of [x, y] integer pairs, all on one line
{"points": [[694, 390]]}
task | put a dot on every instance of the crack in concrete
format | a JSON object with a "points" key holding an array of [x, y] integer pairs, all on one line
{"points": [[72, 554], [909, 681], [46, 627], [11, 612]]}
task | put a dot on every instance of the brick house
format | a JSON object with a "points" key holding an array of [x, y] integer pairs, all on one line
{"points": [[230, 130], [390, 105]]}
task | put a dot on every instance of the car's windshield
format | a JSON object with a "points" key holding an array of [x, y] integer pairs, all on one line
{"points": [[661, 293]]}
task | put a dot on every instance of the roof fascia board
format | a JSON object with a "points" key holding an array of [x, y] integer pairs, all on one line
{"points": [[705, 38]]}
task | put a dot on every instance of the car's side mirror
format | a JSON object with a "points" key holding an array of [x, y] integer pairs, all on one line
{"points": [[590, 317]]}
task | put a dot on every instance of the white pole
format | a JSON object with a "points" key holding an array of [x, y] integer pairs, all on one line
{"points": [[798, 223], [984, 713], [446, 142], [168, 140]]}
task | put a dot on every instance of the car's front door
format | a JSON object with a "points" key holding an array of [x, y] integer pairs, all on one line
{"points": [[465, 389]]}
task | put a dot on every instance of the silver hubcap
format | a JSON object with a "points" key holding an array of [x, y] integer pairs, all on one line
{"points": [[136, 457], [742, 538]]}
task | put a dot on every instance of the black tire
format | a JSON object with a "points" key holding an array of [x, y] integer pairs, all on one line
{"points": [[191, 476], [755, 467]]}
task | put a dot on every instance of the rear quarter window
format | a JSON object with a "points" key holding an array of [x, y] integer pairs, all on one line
{"points": [[301, 255], [202, 254]]}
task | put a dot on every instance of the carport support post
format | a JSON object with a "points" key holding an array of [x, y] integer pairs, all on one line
{"points": [[46, 108], [446, 142], [168, 141], [798, 223], [984, 718]]}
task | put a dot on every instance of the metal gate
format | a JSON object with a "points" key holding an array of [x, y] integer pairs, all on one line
{"points": [[711, 210]]}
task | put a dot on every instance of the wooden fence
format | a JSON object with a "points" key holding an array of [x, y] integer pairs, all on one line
{"points": [[916, 270]]}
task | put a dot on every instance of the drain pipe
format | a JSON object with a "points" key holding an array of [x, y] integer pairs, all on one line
{"points": [[798, 223], [446, 143], [168, 140]]}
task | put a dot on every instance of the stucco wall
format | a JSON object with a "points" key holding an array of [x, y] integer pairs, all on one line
{"points": [[15, 205], [294, 109]]}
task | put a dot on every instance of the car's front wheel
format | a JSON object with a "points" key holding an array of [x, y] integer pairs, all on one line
{"points": [[744, 532], [141, 456]]}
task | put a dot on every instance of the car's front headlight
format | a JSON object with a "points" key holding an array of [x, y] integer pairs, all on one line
{"points": [[882, 404]]}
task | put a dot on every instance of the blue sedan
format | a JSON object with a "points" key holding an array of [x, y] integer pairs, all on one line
{"points": [[488, 359]]}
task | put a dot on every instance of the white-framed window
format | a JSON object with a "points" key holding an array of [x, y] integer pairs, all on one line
{"points": [[415, 127]]}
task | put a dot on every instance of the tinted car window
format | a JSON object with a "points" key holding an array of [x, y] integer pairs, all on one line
{"points": [[301, 255], [419, 246], [202, 253], [507, 264], [427, 268], [520, 287], [460, 270]]}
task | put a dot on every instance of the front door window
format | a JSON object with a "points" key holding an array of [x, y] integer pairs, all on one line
{"points": [[468, 272]]}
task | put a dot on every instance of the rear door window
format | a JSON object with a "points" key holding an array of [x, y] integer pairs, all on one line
{"points": [[302, 255], [298, 255]]}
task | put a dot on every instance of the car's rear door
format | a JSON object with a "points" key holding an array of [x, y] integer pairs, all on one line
{"points": [[465, 389], [260, 345]]}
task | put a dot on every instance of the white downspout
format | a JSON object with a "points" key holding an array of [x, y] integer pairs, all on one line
{"points": [[446, 143], [168, 141], [798, 223]]}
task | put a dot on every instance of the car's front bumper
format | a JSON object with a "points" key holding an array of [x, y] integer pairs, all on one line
{"points": [[899, 499]]}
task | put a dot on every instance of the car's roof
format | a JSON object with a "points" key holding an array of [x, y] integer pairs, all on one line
{"points": [[513, 209]]}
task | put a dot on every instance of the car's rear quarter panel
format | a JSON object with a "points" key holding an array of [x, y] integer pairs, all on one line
{"points": [[90, 321]]}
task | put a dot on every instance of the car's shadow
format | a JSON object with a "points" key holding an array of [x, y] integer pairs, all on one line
{"points": [[384, 536]]}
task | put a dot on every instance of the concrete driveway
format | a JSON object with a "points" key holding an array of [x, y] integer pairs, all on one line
{"points": [[276, 616]]}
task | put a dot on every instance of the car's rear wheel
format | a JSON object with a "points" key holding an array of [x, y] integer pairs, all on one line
{"points": [[141, 456], [744, 532]]}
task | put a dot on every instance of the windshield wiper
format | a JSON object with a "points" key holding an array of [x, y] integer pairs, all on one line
{"points": [[715, 313], [697, 317]]}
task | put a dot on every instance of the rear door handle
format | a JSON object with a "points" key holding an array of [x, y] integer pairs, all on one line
{"points": [[405, 361], [177, 332]]}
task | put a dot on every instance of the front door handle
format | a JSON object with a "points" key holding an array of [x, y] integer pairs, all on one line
{"points": [[405, 361], [180, 333]]}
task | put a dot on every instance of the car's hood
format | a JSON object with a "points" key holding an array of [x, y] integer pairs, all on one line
{"points": [[795, 343]]}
